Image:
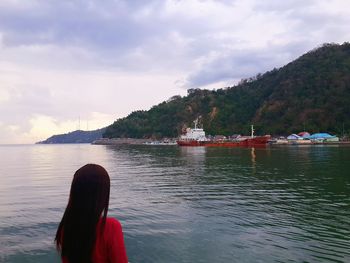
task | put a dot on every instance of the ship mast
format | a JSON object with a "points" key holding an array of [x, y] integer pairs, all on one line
{"points": [[252, 129], [195, 123]]}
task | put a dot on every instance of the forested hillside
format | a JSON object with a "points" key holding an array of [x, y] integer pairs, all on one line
{"points": [[312, 92], [77, 136]]}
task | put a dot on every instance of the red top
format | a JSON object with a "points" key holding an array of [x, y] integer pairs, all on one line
{"points": [[109, 247]]}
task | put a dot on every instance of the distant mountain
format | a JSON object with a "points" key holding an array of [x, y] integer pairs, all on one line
{"points": [[311, 93], [78, 136]]}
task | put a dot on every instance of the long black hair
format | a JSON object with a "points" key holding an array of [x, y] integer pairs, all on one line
{"points": [[88, 199]]}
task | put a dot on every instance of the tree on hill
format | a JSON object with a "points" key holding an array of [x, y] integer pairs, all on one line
{"points": [[312, 92]]}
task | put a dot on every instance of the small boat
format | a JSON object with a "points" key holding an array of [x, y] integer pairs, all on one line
{"points": [[160, 143], [278, 141]]}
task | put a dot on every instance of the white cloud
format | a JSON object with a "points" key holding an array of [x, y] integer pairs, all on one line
{"points": [[4, 95], [54, 100], [43, 126]]}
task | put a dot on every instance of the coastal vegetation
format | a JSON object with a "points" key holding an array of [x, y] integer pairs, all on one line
{"points": [[77, 136], [311, 93]]}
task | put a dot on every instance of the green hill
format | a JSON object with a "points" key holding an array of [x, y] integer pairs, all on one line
{"points": [[77, 136], [312, 92]]}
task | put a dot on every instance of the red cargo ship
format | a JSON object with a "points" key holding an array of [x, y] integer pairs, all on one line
{"points": [[196, 137]]}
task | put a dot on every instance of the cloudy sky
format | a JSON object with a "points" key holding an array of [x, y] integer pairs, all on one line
{"points": [[102, 59]]}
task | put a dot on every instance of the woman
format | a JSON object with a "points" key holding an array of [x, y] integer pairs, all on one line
{"points": [[85, 234]]}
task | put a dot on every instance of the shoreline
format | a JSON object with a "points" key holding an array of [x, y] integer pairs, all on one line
{"points": [[134, 141], [119, 141], [340, 143]]}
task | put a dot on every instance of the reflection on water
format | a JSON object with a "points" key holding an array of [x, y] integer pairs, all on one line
{"points": [[186, 204], [253, 156]]}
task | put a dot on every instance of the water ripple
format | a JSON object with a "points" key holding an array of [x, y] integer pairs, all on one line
{"points": [[186, 204]]}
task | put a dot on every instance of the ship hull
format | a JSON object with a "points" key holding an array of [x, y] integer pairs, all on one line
{"points": [[259, 141], [191, 143]]}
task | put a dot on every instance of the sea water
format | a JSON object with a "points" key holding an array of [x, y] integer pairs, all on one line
{"points": [[180, 204]]}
